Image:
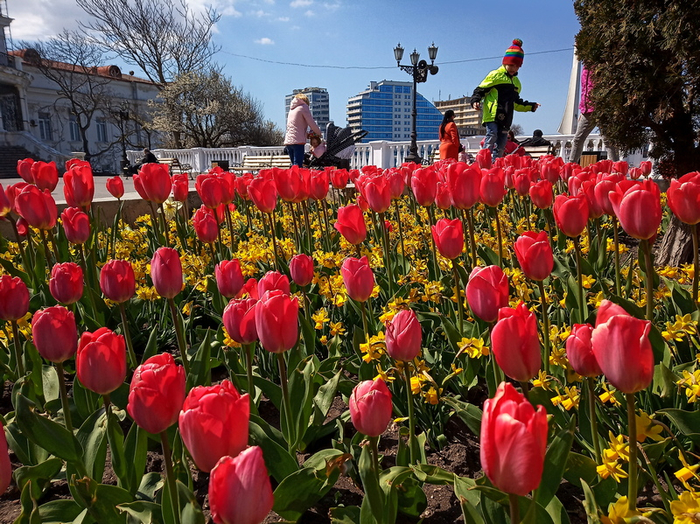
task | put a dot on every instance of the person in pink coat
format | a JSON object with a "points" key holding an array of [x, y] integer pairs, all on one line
{"points": [[299, 121]]}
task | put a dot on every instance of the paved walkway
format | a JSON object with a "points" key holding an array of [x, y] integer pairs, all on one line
{"points": [[101, 193]]}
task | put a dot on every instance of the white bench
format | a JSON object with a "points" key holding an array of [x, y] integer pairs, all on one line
{"points": [[176, 168], [254, 163]]}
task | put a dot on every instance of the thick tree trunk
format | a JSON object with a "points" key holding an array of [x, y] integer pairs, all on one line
{"points": [[677, 245]]}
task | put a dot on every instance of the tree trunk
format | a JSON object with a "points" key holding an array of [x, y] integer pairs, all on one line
{"points": [[677, 245]]}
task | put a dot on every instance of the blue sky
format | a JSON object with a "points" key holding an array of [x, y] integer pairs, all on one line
{"points": [[270, 47]]}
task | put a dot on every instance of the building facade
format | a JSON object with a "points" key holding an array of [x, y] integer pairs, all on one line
{"points": [[37, 117], [468, 120], [384, 111], [319, 103]]}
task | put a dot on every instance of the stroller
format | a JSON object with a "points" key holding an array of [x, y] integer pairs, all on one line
{"points": [[340, 146]]}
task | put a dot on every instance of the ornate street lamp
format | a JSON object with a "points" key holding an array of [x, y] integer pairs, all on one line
{"points": [[419, 72]]}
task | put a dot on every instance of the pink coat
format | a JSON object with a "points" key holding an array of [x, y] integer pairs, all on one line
{"points": [[298, 121], [585, 105]]}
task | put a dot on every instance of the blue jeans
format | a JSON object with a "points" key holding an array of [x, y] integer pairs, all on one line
{"points": [[496, 138], [296, 154]]}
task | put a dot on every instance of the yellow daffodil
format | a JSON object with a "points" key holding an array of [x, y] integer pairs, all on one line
{"points": [[611, 467], [686, 510], [647, 429], [619, 512]]}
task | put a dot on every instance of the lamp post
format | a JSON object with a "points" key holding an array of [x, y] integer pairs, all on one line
{"points": [[419, 72]]}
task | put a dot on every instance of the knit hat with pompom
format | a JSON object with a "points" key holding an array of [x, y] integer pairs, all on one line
{"points": [[514, 54]]}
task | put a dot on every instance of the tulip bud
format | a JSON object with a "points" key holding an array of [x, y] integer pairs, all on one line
{"points": [[404, 336], [684, 197], [571, 214], [229, 278], [276, 321], [351, 224], [370, 407], [358, 278], [66, 283], [166, 272], [301, 267], [513, 441], [424, 186], [153, 182], [205, 225], [239, 320], [115, 186], [240, 490], [117, 280], [37, 207], [14, 298], [79, 186], [273, 280], [579, 351], [101, 361], [156, 393], [55, 333], [516, 344], [449, 237], [213, 423], [76, 225], [487, 292], [638, 208], [534, 255]]}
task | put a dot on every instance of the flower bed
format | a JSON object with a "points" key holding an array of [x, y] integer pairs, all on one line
{"points": [[411, 302]]}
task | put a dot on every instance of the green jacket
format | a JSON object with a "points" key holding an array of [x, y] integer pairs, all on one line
{"points": [[500, 93]]}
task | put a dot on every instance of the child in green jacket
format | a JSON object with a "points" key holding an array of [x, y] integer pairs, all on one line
{"points": [[500, 93]]}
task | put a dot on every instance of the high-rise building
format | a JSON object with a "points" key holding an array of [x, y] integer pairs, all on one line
{"points": [[318, 103], [384, 111], [468, 120]]}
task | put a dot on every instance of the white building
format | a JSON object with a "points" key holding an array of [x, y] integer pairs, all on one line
{"points": [[319, 104]]}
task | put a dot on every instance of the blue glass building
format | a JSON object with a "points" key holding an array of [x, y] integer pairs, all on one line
{"points": [[384, 111]]}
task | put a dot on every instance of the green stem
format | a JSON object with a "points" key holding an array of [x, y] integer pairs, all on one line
{"points": [[170, 476], [545, 326], [374, 448], [500, 237], [514, 508], [154, 220], [229, 224], [431, 217], [127, 336], [274, 240], [472, 236], [649, 263], [47, 253], [22, 252], [579, 275], [387, 257], [165, 225], [594, 422], [309, 231], [248, 349], [411, 415], [287, 402], [181, 344], [64, 396], [52, 241], [18, 350], [632, 480], [460, 305], [695, 263], [525, 386], [398, 219], [616, 236]]}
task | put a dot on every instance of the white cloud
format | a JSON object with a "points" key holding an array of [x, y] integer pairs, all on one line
{"points": [[309, 13], [260, 13], [283, 19], [265, 41], [33, 20], [301, 3]]}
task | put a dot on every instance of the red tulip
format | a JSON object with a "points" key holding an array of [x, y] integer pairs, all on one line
{"points": [[181, 187], [443, 199], [301, 267], [339, 178], [513, 441], [14, 298], [211, 189], [263, 193], [79, 186], [273, 280], [579, 351], [541, 194], [5, 464], [22, 227], [276, 321], [117, 280], [205, 225], [638, 208], [101, 361], [449, 237], [516, 344], [5, 206], [242, 183], [493, 186], [487, 292], [37, 207], [396, 182], [115, 186], [358, 278], [464, 182], [24, 169], [45, 175], [11, 192], [55, 333], [156, 393], [645, 166], [66, 282], [550, 171], [620, 167], [240, 490], [166, 272], [684, 197], [622, 348], [377, 192], [522, 181], [603, 185], [213, 423], [404, 336], [351, 224], [250, 288], [229, 277], [483, 159], [424, 185], [292, 184], [595, 205], [534, 254], [239, 320], [76, 225], [318, 184], [153, 182], [370, 407], [571, 214]]}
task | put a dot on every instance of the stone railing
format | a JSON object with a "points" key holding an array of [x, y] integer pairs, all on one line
{"points": [[383, 154]]}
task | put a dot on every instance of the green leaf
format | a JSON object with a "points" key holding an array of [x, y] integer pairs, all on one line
{"points": [[279, 462], [102, 500], [92, 435], [373, 493], [345, 515], [468, 413], [432, 474], [40, 475], [53, 437], [468, 499], [557, 511], [324, 398], [123, 468], [555, 464], [411, 498], [200, 365], [687, 422], [136, 448], [580, 469], [59, 511], [146, 512], [589, 504]]}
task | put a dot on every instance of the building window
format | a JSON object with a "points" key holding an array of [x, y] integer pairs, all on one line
{"points": [[45, 126], [73, 128], [101, 130]]}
